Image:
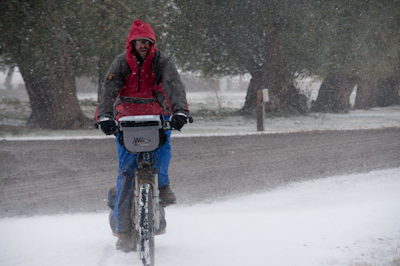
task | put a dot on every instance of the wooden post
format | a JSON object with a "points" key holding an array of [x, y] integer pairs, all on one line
{"points": [[260, 111]]}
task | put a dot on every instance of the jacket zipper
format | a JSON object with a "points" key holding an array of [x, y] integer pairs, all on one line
{"points": [[140, 70], [139, 82]]}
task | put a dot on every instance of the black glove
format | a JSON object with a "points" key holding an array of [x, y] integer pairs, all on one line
{"points": [[179, 119], [108, 124]]}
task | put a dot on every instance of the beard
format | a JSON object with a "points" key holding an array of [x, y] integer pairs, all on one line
{"points": [[143, 52]]}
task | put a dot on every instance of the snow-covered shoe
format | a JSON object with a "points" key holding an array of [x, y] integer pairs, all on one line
{"points": [[124, 242], [163, 223], [167, 197], [113, 223]]}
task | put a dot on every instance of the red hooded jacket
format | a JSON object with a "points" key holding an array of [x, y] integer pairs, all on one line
{"points": [[137, 95], [154, 89]]}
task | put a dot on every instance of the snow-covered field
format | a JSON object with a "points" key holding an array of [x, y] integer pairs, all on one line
{"points": [[341, 220], [238, 125], [234, 125]]}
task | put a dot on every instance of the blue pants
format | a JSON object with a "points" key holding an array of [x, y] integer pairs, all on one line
{"points": [[126, 181]]}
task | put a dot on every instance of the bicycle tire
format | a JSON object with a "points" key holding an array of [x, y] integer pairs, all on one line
{"points": [[146, 226]]}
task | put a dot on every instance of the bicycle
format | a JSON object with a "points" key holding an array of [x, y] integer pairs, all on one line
{"points": [[143, 135]]}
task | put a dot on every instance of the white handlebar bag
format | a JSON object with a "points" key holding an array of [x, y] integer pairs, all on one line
{"points": [[140, 133]]}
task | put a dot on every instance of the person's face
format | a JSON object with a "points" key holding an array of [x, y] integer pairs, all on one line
{"points": [[142, 47]]}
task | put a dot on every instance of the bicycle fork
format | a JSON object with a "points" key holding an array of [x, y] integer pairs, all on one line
{"points": [[140, 179]]}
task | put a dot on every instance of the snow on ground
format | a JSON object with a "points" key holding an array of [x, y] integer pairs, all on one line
{"points": [[333, 221], [239, 125]]}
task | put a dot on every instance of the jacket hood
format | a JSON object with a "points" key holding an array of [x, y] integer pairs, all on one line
{"points": [[139, 29]]}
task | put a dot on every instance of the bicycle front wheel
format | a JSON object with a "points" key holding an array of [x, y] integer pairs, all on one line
{"points": [[146, 226]]}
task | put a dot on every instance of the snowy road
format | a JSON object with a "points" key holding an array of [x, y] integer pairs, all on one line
{"points": [[338, 220], [71, 176]]}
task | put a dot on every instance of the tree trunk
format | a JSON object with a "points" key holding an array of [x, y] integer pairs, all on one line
{"points": [[364, 95], [275, 70], [283, 96], [274, 74], [387, 92], [288, 98], [384, 92], [53, 97], [51, 86], [334, 94], [38, 86], [7, 83], [297, 103], [256, 83]]}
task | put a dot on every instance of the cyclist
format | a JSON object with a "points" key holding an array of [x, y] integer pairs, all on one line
{"points": [[141, 81]]}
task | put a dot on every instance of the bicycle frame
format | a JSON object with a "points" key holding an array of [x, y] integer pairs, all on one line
{"points": [[141, 136]]}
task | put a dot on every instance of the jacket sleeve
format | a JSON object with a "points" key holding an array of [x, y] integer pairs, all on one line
{"points": [[114, 82], [173, 86]]}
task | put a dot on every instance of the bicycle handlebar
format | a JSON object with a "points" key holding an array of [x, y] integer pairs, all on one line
{"points": [[166, 124]]}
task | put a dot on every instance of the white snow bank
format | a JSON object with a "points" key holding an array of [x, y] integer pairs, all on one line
{"points": [[331, 221]]}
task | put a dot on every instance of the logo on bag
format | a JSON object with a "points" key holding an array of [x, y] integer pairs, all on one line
{"points": [[141, 141]]}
